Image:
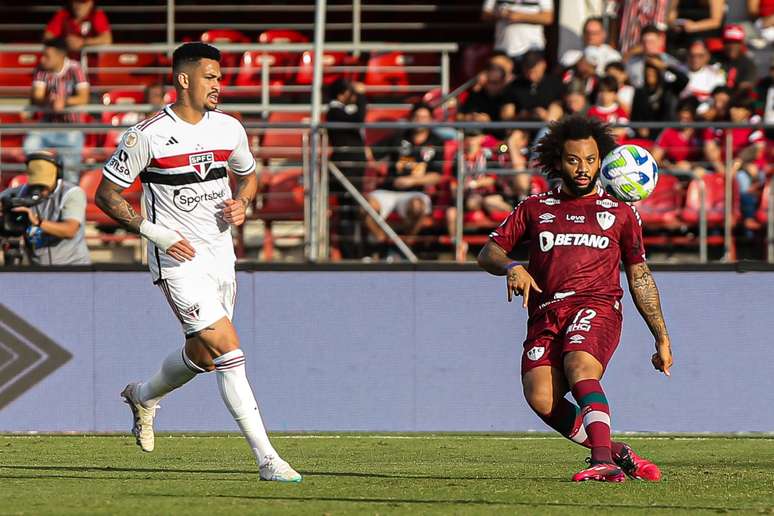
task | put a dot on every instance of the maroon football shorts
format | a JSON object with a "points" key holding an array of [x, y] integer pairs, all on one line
{"points": [[593, 326]]}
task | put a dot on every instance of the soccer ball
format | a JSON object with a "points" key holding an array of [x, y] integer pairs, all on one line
{"points": [[629, 173]]}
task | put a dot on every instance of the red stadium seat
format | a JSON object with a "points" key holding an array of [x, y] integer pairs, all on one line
{"points": [[11, 143], [373, 136], [229, 62], [284, 59], [662, 209], [283, 143], [283, 199], [330, 59], [19, 180], [130, 69], [250, 73], [16, 68], [714, 201], [386, 73]]}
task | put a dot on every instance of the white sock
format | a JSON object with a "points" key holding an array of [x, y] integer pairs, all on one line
{"points": [[176, 370], [238, 397]]}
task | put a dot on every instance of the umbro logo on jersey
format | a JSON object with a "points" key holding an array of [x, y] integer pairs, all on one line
{"points": [[545, 218], [172, 140], [577, 339]]}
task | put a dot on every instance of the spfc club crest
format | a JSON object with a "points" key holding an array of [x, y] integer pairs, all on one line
{"points": [[605, 219], [201, 163]]}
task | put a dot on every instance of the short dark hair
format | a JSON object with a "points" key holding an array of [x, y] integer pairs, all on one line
{"points": [[721, 89], [617, 65], [742, 101], [574, 127], [193, 52], [338, 87], [420, 105], [531, 58], [650, 29], [57, 43], [607, 83], [689, 103]]}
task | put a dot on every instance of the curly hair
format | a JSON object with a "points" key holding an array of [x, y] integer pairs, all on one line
{"points": [[575, 127]]}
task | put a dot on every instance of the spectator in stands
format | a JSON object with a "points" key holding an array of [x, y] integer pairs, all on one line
{"points": [[519, 24], [55, 235], [80, 24], [746, 142], [702, 76], [576, 102], [715, 109], [581, 67], [765, 99], [595, 44], [416, 161], [761, 12], [653, 46], [741, 73], [679, 147], [349, 153], [607, 109], [656, 100], [491, 99], [692, 20], [617, 70], [536, 90], [59, 83]]}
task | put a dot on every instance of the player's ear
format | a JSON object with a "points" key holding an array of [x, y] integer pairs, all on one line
{"points": [[182, 79]]}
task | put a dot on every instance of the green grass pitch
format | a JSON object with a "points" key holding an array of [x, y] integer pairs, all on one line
{"points": [[376, 474]]}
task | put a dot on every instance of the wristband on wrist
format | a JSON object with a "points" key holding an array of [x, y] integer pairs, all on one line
{"points": [[162, 237], [511, 266]]}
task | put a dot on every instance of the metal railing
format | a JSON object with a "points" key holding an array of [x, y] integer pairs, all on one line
{"points": [[317, 178]]}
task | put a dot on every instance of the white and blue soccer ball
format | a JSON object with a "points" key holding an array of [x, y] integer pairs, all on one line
{"points": [[629, 173]]}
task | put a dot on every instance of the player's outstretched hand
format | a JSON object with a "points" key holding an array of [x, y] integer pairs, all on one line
{"points": [[520, 282], [662, 358], [234, 211], [182, 250]]}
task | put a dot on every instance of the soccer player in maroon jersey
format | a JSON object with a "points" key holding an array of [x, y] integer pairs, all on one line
{"points": [[577, 237]]}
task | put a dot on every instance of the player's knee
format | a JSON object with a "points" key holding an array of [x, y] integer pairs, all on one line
{"points": [[539, 400], [581, 366]]}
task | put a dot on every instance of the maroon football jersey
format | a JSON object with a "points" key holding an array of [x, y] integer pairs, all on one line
{"points": [[575, 244]]}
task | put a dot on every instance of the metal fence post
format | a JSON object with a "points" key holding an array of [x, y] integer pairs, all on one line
{"points": [[324, 204], [314, 171], [307, 179], [356, 11], [265, 85], [170, 24], [702, 221], [444, 80], [728, 198], [460, 194]]}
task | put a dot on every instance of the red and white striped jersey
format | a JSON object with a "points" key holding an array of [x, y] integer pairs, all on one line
{"points": [[184, 172]]}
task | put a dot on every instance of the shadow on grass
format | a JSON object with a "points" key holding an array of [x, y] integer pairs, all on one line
{"points": [[453, 501]]}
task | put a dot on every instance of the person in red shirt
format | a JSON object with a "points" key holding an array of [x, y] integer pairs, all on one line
{"points": [[607, 109], [80, 24], [578, 235], [677, 147]]}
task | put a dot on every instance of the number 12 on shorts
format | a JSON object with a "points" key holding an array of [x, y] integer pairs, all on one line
{"points": [[582, 321]]}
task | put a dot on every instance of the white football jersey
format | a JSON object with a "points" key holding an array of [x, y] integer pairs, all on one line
{"points": [[183, 169]]}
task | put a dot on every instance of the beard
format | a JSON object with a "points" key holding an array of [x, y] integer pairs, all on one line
{"points": [[575, 189]]}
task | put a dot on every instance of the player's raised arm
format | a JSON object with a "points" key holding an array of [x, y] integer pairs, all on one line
{"points": [[648, 302]]}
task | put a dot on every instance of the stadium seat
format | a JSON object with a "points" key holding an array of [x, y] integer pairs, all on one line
{"points": [[16, 68], [229, 61], [330, 60], [284, 59], [11, 143], [714, 201], [283, 144], [283, 199], [250, 73], [386, 73], [662, 209], [374, 135], [129, 69]]}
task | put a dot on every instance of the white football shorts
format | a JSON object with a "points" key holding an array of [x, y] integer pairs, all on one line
{"points": [[202, 291]]}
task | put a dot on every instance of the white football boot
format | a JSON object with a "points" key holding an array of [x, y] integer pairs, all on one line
{"points": [[275, 469], [142, 418]]}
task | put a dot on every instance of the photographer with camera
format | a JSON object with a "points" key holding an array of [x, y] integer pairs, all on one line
{"points": [[47, 215]]}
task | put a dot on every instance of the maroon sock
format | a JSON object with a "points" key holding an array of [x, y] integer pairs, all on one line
{"points": [[566, 419], [596, 418]]}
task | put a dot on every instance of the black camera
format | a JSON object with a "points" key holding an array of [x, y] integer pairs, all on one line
{"points": [[12, 223]]}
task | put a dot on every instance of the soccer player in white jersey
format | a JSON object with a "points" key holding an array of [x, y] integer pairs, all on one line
{"points": [[181, 156]]}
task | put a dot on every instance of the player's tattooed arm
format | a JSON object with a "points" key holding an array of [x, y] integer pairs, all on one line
{"points": [[646, 298], [109, 199], [247, 188]]}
